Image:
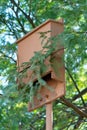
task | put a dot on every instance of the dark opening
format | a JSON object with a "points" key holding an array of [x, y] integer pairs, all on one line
{"points": [[45, 78]]}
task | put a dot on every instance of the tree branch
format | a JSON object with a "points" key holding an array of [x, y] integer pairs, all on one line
{"points": [[7, 56], [27, 16], [77, 124], [76, 86], [9, 27], [84, 91], [76, 109], [22, 27]]}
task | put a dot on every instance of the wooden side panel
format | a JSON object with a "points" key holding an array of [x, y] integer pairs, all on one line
{"points": [[56, 28], [58, 67]]}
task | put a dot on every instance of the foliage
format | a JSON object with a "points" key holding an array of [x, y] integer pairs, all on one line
{"points": [[16, 19]]}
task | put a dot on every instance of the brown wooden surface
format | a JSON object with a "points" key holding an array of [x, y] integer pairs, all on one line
{"points": [[32, 41], [49, 116], [55, 75], [56, 68], [45, 95]]}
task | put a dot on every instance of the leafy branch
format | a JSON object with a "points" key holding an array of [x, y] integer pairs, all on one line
{"points": [[26, 16], [9, 57], [75, 84]]}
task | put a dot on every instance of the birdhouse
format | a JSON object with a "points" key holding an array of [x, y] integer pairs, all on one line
{"points": [[54, 76]]}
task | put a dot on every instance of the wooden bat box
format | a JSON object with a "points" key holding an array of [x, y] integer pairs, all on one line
{"points": [[55, 75]]}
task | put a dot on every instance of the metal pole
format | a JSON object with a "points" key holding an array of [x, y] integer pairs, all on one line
{"points": [[49, 116]]}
